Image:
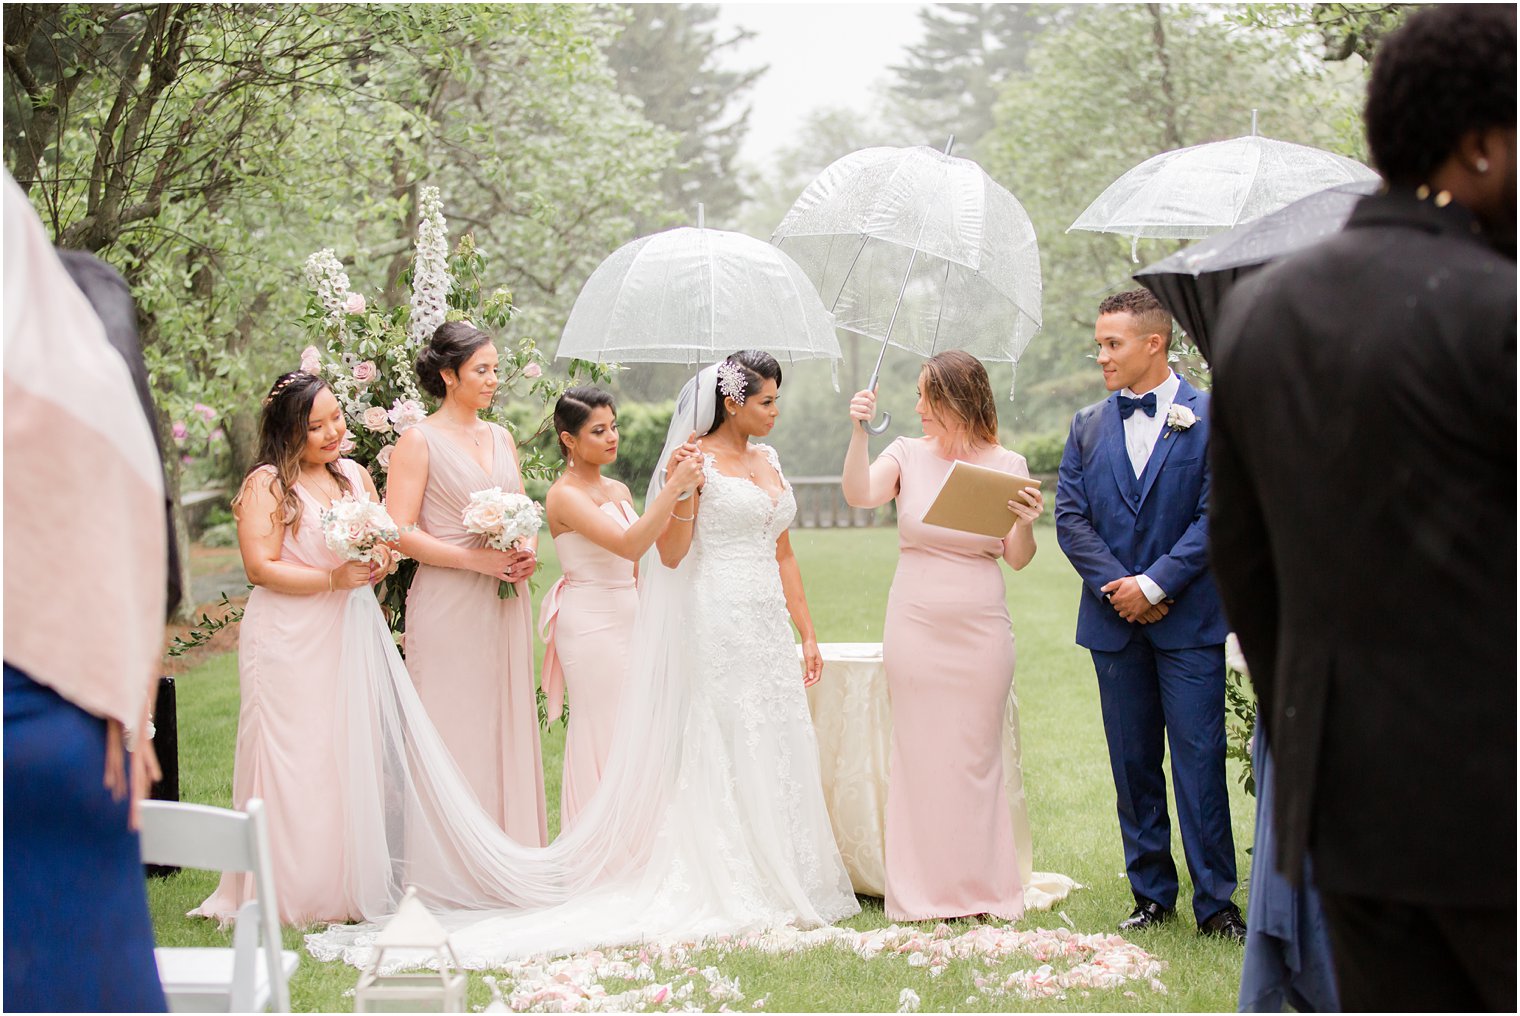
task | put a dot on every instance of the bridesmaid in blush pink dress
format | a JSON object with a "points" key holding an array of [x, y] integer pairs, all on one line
{"points": [[469, 652], [948, 650], [288, 646], [586, 618]]}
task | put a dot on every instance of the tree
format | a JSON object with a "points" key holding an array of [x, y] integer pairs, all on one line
{"points": [[1343, 30], [1119, 84], [206, 149], [953, 75], [667, 56]]}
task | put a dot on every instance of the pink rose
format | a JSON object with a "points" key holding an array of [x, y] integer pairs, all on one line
{"points": [[179, 430], [365, 372], [311, 360], [405, 414], [207, 413], [346, 445], [383, 456], [533, 370], [355, 303], [217, 435], [185, 460], [376, 420]]}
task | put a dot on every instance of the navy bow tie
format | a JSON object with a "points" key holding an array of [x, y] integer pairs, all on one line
{"points": [[1145, 403]]}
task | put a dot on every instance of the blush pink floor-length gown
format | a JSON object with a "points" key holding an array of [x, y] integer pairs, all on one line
{"points": [[470, 653], [948, 650], [288, 649], [586, 621]]}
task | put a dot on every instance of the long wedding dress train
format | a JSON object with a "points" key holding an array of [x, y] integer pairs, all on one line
{"points": [[711, 817]]}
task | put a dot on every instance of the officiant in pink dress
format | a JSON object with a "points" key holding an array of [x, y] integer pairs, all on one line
{"points": [[586, 618], [469, 651], [949, 655]]}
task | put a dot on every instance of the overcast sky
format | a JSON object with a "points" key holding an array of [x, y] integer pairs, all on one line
{"points": [[820, 54]]}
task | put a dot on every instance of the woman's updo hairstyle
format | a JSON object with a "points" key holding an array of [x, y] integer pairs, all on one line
{"points": [[452, 344], [758, 367], [573, 410], [955, 383]]}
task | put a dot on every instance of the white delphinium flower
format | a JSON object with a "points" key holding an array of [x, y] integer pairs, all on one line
{"points": [[907, 1000], [325, 274], [430, 272]]}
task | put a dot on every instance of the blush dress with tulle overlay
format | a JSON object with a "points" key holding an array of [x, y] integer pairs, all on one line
{"points": [[288, 650], [470, 653], [948, 649], [586, 621]]}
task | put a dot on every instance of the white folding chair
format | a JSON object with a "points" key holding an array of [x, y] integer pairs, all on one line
{"points": [[253, 975]]}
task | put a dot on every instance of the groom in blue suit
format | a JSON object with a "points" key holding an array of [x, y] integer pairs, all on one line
{"points": [[1132, 517]]}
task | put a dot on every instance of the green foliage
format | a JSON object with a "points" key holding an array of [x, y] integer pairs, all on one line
{"points": [[953, 74], [1117, 85], [205, 628], [205, 149], [1240, 724], [641, 437], [671, 58], [1041, 451]]}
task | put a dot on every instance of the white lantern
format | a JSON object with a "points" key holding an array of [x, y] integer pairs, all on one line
{"points": [[411, 930]]}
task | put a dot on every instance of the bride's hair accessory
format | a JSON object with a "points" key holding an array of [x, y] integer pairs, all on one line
{"points": [[732, 381]]}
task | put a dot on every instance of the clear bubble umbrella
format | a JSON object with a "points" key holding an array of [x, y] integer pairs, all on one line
{"points": [[694, 295], [920, 250], [1191, 193]]}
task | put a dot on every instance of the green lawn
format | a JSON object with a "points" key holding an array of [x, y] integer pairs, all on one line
{"points": [[1066, 777]]}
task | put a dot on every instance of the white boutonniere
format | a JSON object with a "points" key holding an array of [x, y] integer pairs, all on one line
{"points": [[1178, 419]]}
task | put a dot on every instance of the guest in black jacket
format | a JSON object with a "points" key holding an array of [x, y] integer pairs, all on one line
{"points": [[1363, 530]]}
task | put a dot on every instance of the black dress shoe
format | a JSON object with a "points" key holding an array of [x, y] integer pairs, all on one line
{"points": [[1147, 914], [1226, 924]]}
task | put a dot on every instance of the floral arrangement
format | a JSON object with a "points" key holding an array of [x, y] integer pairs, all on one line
{"points": [[355, 526], [368, 352], [1240, 707], [505, 520]]}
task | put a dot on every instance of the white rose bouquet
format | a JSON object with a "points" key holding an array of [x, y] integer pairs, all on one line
{"points": [[355, 527], [505, 520]]}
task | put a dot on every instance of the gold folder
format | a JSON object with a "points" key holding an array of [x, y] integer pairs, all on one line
{"points": [[974, 499]]}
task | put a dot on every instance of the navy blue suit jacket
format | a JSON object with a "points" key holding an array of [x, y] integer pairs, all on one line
{"points": [[1110, 524]]}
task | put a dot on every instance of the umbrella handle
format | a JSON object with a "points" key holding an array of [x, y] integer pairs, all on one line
{"points": [[878, 426]]}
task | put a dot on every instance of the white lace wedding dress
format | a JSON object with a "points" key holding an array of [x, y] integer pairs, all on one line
{"points": [[710, 820]]}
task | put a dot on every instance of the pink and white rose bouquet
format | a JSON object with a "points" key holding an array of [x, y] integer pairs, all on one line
{"points": [[355, 527], [507, 521]]}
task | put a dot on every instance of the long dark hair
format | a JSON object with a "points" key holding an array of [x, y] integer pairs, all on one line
{"points": [[574, 408], [759, 367], [453, 343], [282, 437]]}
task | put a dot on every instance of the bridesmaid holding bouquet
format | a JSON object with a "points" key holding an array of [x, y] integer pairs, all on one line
{"points": [[468, 650], [948, 650], [586, 619], [288, 649]]}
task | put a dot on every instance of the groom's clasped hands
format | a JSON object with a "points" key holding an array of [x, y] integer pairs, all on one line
{"points": [[1131, 603]]}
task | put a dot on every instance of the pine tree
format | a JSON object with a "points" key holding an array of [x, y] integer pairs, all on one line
{"points": [[668, 57], [953, 76]]}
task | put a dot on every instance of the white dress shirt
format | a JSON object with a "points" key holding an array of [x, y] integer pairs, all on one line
{"points": [[1140, 435]]}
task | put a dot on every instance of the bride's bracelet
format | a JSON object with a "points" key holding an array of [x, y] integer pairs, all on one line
{"points": [[684, 518]]}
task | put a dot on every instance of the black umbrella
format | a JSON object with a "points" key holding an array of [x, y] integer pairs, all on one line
{"points": [[1192, 283]]}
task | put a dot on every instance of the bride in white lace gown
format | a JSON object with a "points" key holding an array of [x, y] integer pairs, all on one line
{"points": [[710, 819]]}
